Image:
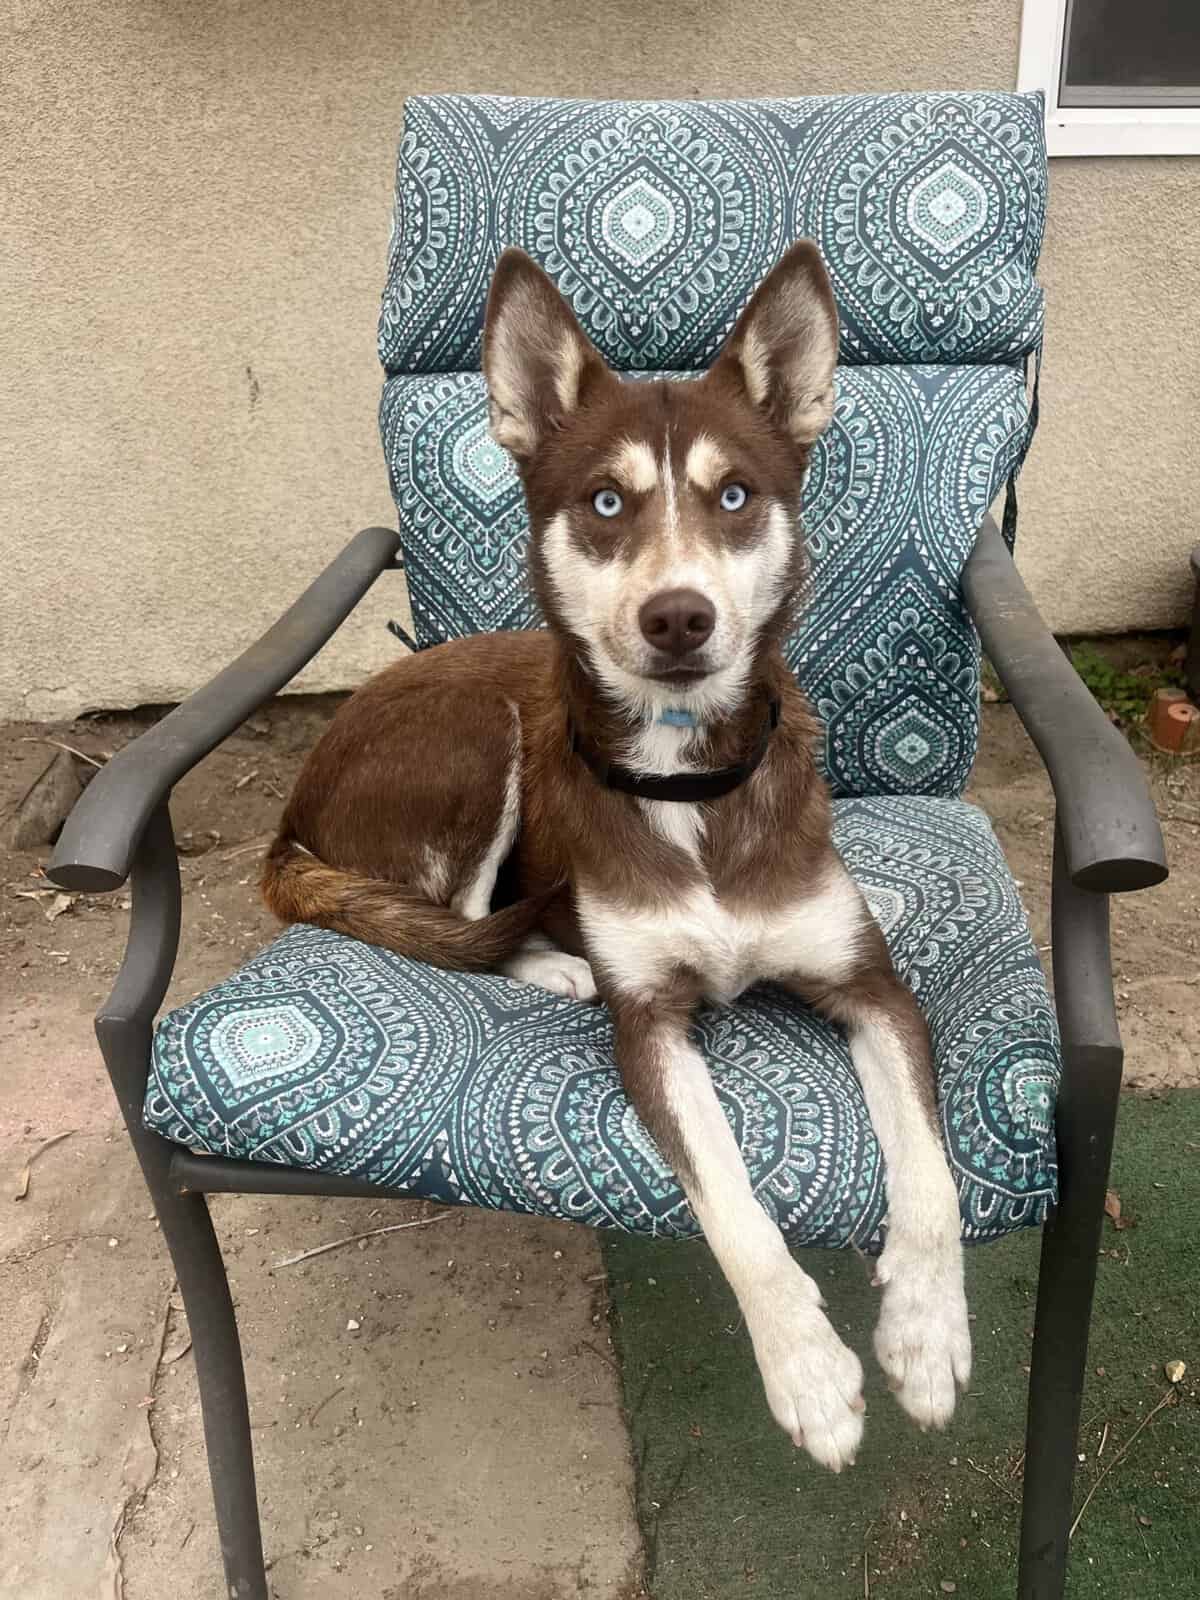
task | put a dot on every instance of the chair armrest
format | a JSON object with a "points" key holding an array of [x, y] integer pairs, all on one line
{"points": [[99, 839], [1109, 827]]}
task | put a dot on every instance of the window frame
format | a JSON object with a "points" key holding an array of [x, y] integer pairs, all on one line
{"points": [[1094, 130]]}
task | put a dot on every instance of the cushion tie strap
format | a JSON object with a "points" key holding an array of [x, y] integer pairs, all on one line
{"points": [[690, 787]]}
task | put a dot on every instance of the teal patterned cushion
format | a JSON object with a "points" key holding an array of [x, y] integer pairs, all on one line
{"points": [[897, 488], [657, 219], [332, 1055]]}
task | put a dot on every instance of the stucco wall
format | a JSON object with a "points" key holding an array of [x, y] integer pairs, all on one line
{"points": [[195, 202]]}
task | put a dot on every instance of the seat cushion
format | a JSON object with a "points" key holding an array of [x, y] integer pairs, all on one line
{"points": [[657, 218], [328, 1054], [897, 488]]}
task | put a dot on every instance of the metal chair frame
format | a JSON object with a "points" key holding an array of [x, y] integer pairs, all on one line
{"points": [[1107, 840]]}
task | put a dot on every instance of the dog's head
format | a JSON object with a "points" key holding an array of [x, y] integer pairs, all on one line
{"points": [[664, 515]]}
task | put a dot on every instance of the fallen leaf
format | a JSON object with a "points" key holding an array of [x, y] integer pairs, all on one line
{"points": [[948, 1587], [1112, 1210], [1175, 1370], [22, 1188], [197, 843], [179, 1342], [1145, 1522], [60, 903]]}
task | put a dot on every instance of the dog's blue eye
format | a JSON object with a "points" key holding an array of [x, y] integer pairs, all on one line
{"points": [[607, 503], [734, 497]]}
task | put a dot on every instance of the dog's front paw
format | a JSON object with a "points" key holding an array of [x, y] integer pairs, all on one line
{"points": [[569, 976], [812, 1380], [923, 1340]]}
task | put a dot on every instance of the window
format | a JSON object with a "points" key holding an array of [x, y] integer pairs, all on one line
{"points": [[1121, 77]]}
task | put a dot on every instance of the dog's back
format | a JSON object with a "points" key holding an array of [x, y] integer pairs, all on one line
{"points": [[409, 804]]}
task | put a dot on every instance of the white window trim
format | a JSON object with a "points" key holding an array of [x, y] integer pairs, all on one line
{"points": [[1093, 130]]}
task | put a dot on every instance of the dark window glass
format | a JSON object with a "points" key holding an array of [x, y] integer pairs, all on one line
{"points": [[1131, 53]]}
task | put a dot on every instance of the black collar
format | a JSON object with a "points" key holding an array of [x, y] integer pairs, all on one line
{"points": [[684, 786]]}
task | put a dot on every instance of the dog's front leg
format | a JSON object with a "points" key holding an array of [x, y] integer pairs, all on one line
{"points": [[813, 1382], [923, 1338]]}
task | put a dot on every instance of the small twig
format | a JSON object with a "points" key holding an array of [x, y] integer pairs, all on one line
{"points": [[321, 1404], [1145, 1543], [353, 1238], [244, 849], [50, 1244], [866, 1563], [588, 1345], [22, 1188], [162, 1333], [1103, 1442], [69, 748], [991, 1477], [188, 1535], [1168, 1399], [1174, 816], [1160, 977]]}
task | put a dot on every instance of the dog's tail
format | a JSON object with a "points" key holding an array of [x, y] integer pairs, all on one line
{"points": [[298, 887]]}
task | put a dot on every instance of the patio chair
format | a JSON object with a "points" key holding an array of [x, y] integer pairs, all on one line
{"points": [[326, 1067]]}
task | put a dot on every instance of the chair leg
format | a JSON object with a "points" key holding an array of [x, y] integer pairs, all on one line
{"points": [[196, 1255], [124, 1028], [1085, 1120], [1059, 1362]]}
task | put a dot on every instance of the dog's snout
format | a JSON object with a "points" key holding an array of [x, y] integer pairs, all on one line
{"points": [[677, 621]]}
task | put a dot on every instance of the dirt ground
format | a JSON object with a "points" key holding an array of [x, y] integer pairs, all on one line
{"points": [[465, 1441]]}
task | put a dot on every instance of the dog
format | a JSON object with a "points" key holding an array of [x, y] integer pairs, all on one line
{"points": [[643, 771]]}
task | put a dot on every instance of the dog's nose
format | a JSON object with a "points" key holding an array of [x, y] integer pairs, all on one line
{"points": [[677, 621]]}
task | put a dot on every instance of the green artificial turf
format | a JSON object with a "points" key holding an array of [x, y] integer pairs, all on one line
{"points": [[728, 1507]]}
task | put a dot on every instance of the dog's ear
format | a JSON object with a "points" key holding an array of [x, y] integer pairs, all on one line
{"points": [[783, 351], [538, 362]]}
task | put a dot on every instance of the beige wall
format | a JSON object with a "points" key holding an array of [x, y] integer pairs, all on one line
{"points": [[195, 206]]}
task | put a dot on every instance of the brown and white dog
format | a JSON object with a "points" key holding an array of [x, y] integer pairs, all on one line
{"points": [[667, 557]]}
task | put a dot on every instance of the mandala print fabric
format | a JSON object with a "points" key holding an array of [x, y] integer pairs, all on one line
{"points": [[657, 218], [325, 1053], [897, 488]]}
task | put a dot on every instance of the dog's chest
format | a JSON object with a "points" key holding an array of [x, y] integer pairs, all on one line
{"points": [[725, 921], [698, 931], [661, 749], [641, 948], [815, 935]]}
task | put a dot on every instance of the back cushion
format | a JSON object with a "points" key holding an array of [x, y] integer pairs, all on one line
{"points": [[657, 218]]}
